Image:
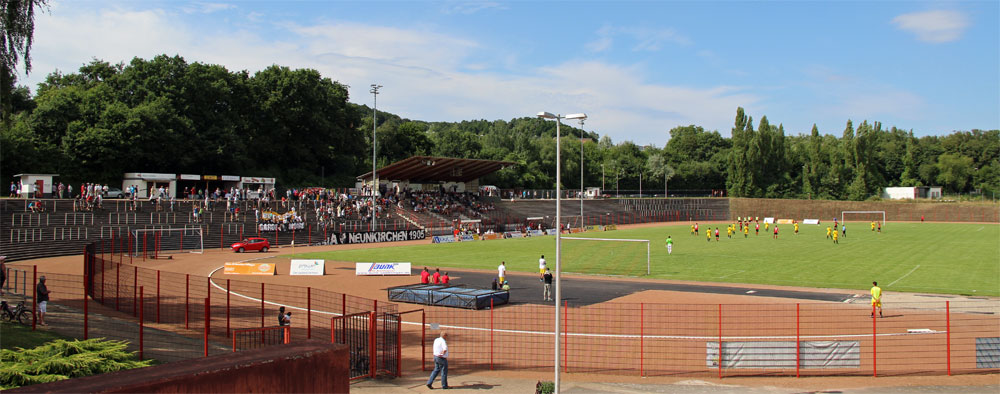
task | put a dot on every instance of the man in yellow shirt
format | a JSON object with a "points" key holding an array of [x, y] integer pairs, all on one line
{"points": [[796, 227], [692, 229], [835, 238], [873, 227], [876, 299], [828, 232], [708, 234], [746, 231]]}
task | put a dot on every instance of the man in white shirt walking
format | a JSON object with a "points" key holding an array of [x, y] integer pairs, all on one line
{"points": [[502, 271], [440, 362]]}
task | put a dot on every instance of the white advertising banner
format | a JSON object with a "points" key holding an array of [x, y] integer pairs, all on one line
{"points": [[365, 269], [810, 221], [307, 267], [769, 220]]}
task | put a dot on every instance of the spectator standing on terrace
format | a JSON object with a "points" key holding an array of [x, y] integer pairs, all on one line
{"points": [[43, 299], [13, 189], [281, 316]]}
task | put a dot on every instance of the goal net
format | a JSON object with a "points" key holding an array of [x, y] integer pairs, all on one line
{"points": [[606, 256], [863, 216], [165, 241]]}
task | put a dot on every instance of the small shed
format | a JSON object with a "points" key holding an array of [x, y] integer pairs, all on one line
{"points": [[912, 192], [35, 185]]}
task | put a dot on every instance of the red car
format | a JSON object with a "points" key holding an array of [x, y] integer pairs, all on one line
{"points": [[247, 244]]}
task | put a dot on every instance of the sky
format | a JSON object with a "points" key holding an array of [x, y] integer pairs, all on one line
{"points": [[636, 68]]}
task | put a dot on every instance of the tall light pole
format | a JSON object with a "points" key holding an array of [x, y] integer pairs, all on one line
{"points": [[581, 171], [558, 119], [374, 92]]}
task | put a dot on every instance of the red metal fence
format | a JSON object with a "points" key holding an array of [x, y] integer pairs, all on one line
{"points": [[807, 339]]}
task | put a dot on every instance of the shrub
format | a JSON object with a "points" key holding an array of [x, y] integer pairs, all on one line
{"points": [[62, 359]]}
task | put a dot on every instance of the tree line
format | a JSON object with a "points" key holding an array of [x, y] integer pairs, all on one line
{"points": [[167, 115]]}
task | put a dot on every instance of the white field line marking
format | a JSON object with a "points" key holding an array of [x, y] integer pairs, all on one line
{"points": [[981, 228], [728, 275], [600, 335], [901, 277]]}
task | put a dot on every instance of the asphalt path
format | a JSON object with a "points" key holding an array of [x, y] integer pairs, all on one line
{"points": [[527, 289]]}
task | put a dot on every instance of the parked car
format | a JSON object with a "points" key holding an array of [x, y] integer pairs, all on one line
{"points": [[114, 192], [250, 244]]}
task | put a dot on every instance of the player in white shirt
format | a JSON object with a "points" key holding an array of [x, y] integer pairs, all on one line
{"points": [[541, 268], [502, 271]]}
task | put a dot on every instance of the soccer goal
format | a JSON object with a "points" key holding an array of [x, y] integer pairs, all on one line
{"points": [[607, 256], [867, 216], [158, 242]]}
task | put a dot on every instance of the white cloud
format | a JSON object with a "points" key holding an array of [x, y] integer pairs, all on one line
{"points": [[643, 39], [426, 75], [471, 7], [933, 26], [206, 8]]}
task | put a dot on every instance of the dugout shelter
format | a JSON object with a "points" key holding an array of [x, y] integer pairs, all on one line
{"points": [[428, 173]]}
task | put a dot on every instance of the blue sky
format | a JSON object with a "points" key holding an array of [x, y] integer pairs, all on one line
{"points": [[636, 68]]}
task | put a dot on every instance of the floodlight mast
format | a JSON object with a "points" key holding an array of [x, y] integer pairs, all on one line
{"points": [[558, 118], [374, 92]]}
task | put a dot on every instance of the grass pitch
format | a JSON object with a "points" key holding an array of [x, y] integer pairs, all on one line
{"points": [[911, 257]]}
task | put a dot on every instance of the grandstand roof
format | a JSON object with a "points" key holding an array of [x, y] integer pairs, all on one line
{"points": [[438, 169]]}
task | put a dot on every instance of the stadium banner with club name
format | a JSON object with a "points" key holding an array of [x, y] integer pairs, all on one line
{"points": [[307, 267], [381, 269], [376, 236], [281, 226], [249, 269], [785, 221]]}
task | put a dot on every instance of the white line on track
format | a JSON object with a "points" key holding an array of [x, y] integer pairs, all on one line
{"points": [[901, 277], [578, 335]]}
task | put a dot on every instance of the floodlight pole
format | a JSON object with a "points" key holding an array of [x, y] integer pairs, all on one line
{"points": [[558, 326], [581, 172], [374, 92]]}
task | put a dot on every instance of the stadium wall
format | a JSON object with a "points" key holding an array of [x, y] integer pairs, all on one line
{"points": [[826, 210]]}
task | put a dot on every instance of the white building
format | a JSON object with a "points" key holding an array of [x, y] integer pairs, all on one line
{"points": [[912, 192]]}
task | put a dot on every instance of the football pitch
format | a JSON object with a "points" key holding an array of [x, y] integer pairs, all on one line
{"points": [[908, 257]]}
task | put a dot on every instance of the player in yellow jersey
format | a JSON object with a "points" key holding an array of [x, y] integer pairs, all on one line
{"points": [[873, 227], [835, 238], [746, 231], [708, 234], [766, 225], [729, 232], [876, 299], [692, 229], [796, 227], [828, 232]]}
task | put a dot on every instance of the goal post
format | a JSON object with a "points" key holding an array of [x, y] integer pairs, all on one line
{"points": [[153, 242], [864, 215], [616, 255]]}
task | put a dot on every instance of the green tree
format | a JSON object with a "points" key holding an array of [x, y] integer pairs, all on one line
{"points": [[17, 31], [954, 171]]}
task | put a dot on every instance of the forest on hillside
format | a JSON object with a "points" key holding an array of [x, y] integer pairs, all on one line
{"points": [[167, 115]]}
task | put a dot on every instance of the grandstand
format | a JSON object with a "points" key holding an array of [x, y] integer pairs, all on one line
{"points": [[61, 231]]}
